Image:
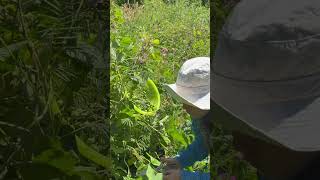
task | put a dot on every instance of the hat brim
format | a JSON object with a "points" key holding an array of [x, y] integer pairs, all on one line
{"points": [[291, 122], [191, 96]]}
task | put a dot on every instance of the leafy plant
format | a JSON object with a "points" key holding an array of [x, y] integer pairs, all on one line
{"points": [[93, 155], [52, 85], [148, 45]]}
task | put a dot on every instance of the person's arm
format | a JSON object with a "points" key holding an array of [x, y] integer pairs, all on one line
{"points": [[186, 175], [196, 151]]}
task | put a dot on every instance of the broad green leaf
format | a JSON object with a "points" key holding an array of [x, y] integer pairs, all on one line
{"points": [[126, 41], [57, 158], [153, 160], [93, 155], [152, 174], [177, 136]]}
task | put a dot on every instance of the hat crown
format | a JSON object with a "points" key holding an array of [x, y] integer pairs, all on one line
{"points": [[270, 40], [195, 72]]}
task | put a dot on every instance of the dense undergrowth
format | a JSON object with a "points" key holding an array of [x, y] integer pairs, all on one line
{"points": [[53, 87], [151, 41], [53, 104]]}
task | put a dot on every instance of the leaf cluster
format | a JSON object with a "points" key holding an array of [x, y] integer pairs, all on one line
{"points": [[52, 86]]}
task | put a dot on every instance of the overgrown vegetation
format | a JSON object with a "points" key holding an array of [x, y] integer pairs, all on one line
{"points": [[53, 104], [151, 41], [53, 86]]}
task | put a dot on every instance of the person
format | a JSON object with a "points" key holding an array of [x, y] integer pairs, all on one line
{"points": [[192, 88], [266, 85]]}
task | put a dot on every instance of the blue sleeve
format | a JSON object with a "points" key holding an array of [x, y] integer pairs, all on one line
{"points": [[186, 175], [196, 151]]}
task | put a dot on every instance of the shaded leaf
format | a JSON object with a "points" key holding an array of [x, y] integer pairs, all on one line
{"points": [[87, 173], [7, 49], [153, 160], [37, 171], [57, 158], [93, 155]]}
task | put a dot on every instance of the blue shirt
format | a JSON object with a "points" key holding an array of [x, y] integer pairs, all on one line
{"points": [[196, 151]]}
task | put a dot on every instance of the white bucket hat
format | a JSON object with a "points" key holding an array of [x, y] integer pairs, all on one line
{"points": [[192, 86]]}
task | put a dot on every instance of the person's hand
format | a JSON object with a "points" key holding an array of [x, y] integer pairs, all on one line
{"points": [[172, 169], [170, 163], [172, 174]]}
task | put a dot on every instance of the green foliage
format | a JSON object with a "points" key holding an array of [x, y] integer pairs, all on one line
{"points": [[151, 174], [93, 155], [52, 85], [224, 158], [151, 42], [57, 158]]}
